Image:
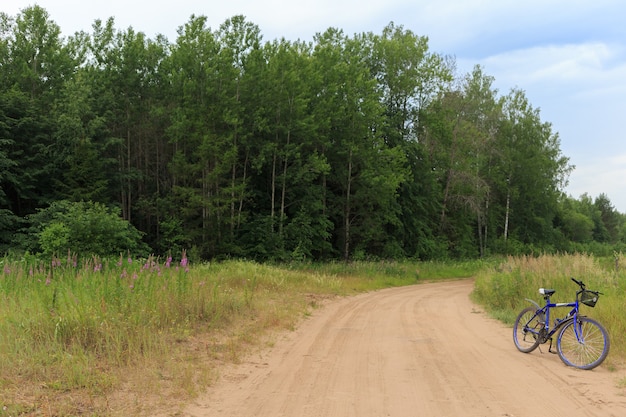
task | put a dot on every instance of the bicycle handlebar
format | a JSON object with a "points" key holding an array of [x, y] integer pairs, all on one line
{"points": [[580, 283]]}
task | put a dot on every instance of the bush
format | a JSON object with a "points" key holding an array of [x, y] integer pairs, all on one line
{"points": [[85, 228]]}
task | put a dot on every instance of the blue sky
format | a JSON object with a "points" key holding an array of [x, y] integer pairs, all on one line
{"points": [[569, 56]]}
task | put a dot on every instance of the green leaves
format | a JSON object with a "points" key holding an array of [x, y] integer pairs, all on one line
{"points": [[85, 228], [348, 145]]}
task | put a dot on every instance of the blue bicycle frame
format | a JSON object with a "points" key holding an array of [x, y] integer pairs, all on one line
{"points": [[547, 333]]}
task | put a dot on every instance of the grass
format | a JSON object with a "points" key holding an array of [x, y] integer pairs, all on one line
{"points": [[117, 337], [125, 337], [503, 290]]}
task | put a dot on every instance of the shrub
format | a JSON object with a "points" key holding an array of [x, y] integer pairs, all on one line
{"points": [[86, 228]]}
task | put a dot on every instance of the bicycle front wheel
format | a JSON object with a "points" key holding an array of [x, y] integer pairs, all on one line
{"points": [[583, 343], [527, 328]]}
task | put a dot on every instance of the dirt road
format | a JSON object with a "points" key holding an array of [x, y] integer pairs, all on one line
{"points": [[424, 351]]}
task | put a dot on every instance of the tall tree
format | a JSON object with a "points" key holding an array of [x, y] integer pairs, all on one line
{"points": [[409, 78], [291, 211], [532, 171], [610, 220], [193, 72], [459, 139], [34, 70], [366, 173], [240, 48]]}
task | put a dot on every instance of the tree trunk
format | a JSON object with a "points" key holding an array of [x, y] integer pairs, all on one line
{"points": [[283, 192], [347, 211], [506, 216]]}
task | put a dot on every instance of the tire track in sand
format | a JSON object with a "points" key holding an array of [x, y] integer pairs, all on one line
{"points": [[424, 350]]}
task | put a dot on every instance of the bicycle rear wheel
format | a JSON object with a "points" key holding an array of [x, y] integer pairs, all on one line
{"points": [[526, 329], [583, 344]]}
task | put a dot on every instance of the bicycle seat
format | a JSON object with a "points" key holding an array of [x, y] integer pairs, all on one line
{"points": [[546, 292]]}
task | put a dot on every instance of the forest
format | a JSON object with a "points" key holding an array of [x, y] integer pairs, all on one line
{"points": [[224, 145]]}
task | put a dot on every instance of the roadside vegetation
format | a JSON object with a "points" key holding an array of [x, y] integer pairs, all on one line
{"points": [[77, 333], [503, 289], [125, 336]]}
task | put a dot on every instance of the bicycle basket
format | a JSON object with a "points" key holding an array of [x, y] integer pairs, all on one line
{"points": [[589, 298]]}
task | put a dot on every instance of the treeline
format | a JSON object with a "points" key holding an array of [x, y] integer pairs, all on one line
{"points": [[227, 145]]}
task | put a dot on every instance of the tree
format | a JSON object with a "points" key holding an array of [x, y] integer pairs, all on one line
{"points": [[609, 218], [577, 227], [409, 77], [34, 70], [365, 172], [530, 172], [193, 74], [459, 135], [80, 145], [211, 159], [240, 49], [284, 156]]}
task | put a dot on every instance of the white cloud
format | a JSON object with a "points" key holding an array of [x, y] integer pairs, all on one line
{"points": [[601, 176], [590, 63]]}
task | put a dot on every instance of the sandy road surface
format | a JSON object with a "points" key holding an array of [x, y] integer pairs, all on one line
{"points": [[424, 350]]}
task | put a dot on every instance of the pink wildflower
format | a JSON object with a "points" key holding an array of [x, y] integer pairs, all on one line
{"points": [[184, 260]]}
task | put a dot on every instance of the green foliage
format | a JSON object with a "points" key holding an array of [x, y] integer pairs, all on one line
{"points": [[577, 226], [55, 238], [86, 228], [351, 147]]}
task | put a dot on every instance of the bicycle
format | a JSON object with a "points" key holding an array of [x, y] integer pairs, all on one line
{"points": [[581, 342]]}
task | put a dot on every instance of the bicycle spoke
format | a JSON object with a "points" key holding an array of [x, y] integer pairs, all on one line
{"points": [[526, 330], [583, 345]]}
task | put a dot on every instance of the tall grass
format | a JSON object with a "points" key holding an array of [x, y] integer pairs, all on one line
{"points": [[383, 274], [68, 327], [503, 290], [81, 332]]}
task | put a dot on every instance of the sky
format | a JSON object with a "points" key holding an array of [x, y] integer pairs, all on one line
{"points": [[568, 56]]}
